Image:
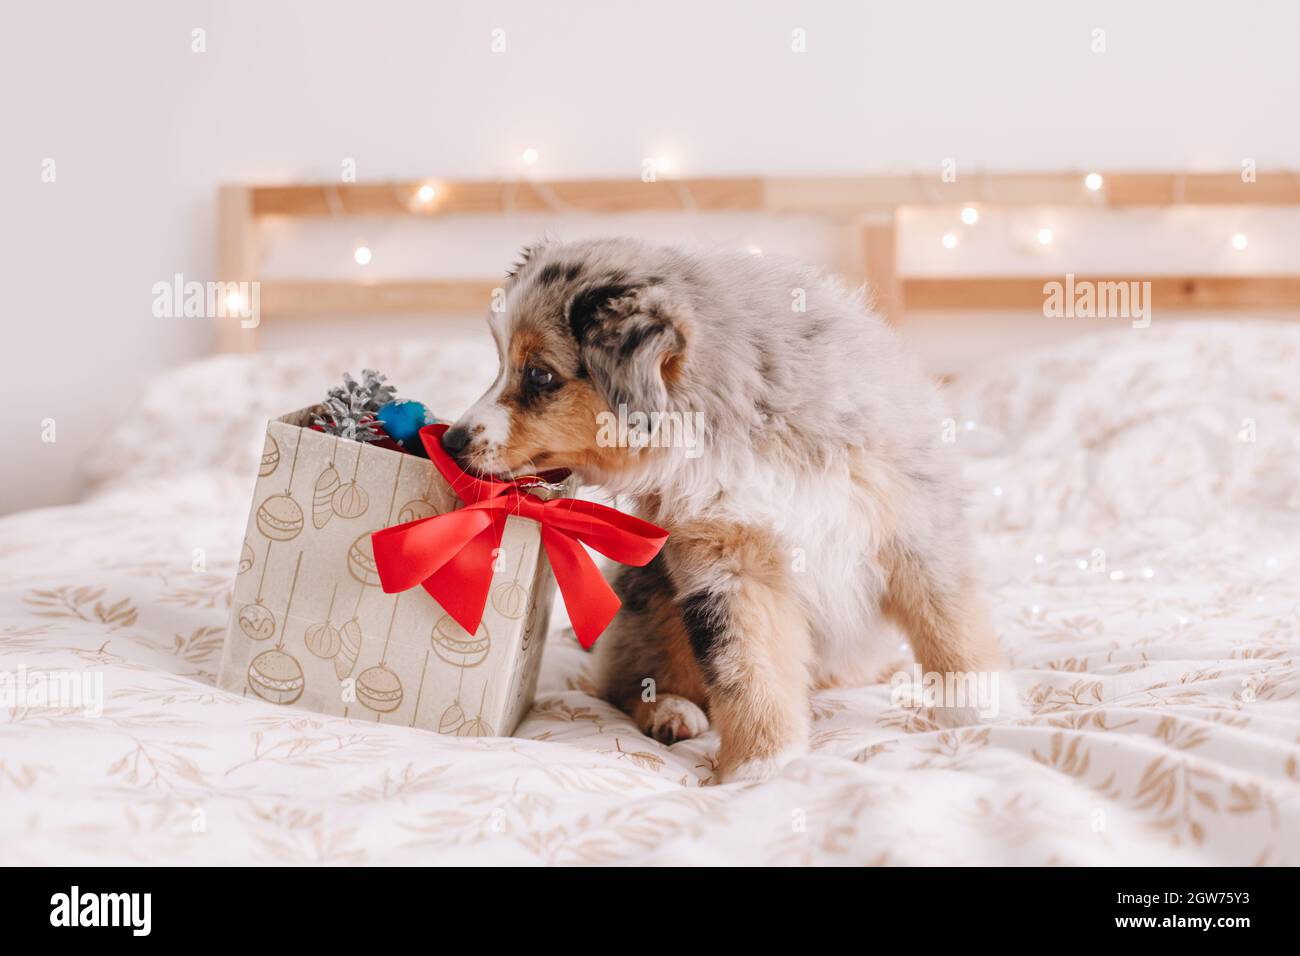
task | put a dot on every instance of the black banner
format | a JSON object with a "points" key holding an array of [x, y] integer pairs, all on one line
{"points": [[335, 906]]}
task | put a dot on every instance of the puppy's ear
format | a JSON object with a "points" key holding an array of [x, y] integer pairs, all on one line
{"points": [[632, 340], [525, 254]]}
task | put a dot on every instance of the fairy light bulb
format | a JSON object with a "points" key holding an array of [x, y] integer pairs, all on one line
{"points": [[426, 193], [1045, 236], [362, 255], [1093, 181], [970, 215], [949, 240], [234, 301], [1239, 241], [530, 156]]}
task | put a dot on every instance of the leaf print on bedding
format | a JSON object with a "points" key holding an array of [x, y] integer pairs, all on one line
{"points": [[1181, 735], [291, 836], [204, 591], [1091, 719], [156, 765], [393, 784], [1046, 698], [1252, 798], [597, 837], [1179, 795], [642, 758], [1075, 760], [66, 602], [825, 708], [22, 776], [918, 721], [201, 645], [559, 710], [319, 751], [874, 750], [952, 749]]}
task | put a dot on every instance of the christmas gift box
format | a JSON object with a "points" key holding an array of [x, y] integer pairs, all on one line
{"points": [[381, 585]]}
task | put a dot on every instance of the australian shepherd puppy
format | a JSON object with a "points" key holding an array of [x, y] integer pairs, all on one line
{"points": [[792, 449]]}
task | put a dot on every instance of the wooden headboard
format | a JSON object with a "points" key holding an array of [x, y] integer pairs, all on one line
{"points": [[872, 203]]}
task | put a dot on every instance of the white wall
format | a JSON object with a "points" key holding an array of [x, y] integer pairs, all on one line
{"points": [[142, 129]]}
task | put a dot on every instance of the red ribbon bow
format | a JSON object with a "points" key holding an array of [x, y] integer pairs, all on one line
{"points": [[452, 554]]}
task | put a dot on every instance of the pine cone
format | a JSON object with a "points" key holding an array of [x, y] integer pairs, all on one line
{"points": [[349, 409]]}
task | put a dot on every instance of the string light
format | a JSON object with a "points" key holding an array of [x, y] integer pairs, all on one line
{"points": [[530, 156], [970, 215], [234, 301], [1239, 241], [1093, 181], [362, 255], [950, 240], [1045, 236], [426, 193]]}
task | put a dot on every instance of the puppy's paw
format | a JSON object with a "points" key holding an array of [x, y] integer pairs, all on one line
{"points": [[758, 769], [670, 718]]}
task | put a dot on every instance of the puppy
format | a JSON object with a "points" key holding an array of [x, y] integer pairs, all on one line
{"points": [[775, 427]]}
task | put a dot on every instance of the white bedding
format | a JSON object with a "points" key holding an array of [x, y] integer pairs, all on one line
{"points": [[1163, 688]]}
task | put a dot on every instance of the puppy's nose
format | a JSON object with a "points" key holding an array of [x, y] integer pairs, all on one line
{"points": [[455, 439]]}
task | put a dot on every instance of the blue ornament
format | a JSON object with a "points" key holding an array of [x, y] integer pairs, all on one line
{"points": [[403, 421]]}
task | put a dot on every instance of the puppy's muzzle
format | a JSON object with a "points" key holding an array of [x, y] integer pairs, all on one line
{"points": [[455, 439]]}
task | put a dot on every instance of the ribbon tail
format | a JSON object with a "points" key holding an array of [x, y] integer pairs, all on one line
{"points": [[588, 598]]}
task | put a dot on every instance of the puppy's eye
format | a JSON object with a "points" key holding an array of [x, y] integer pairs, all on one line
{"points": [[538, 377]]}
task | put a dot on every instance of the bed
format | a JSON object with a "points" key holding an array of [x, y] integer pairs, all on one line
{"points": [[1137, 498]]}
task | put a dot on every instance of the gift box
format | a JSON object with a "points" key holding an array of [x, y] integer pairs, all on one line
{"points": [[380, 585], [311, 625]]}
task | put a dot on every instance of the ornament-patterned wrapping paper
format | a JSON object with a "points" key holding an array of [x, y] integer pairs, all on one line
{"points": [[311, 627]]}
